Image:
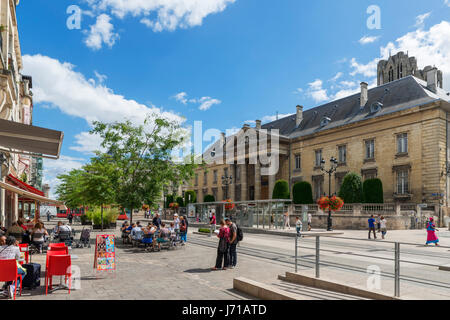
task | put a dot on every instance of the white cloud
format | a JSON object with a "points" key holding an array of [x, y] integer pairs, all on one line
{"points": [[208, 102], [100, 77], [58, 84], [181, 97], [163, 14], [447, 2], [368, 70], [368, 39], [53, 168], [316, 92], [102, 32], [205, 103], [337, 76], [87, 143], [420, 19]]}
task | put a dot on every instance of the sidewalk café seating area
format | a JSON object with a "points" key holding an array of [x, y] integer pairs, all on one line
{"points": [[58, 263], [153, 242]]}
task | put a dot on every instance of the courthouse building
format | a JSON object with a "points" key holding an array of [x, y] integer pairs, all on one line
{"points": [[397, 131]]}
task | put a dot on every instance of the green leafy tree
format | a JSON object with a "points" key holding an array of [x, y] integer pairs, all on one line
{"points": [[70, 190], [99, 181], [209, 198], [190, 197], [142, 156], [169, 199], [351, 189], [373, 191], [281, 190], [302, 193]]}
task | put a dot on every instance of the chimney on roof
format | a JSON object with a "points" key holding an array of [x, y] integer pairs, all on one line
{"points": [[364, 94], [299, 117], [258, 124], [432, 81]]}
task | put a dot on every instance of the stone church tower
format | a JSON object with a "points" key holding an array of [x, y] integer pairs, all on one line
{"points": [[401, 65]]}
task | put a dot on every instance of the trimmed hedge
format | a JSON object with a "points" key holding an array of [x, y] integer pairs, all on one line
{"points": [[180, 201], [373, 191], [351, 189], [169, 200], [204, 230], [302, 193], [209, 198], [193, 197], [281, 190]]}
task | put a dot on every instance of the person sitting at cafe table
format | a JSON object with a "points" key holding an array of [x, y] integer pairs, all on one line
{"points": [[164, 235], [136, 232], [16, 231], [38, 235], [63, 227], [9, 249]]}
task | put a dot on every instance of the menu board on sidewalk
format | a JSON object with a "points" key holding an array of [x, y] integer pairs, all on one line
{"points": [[105, 253]]}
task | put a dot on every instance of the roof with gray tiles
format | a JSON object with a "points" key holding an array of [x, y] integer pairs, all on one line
{"points": [[395, 96]]}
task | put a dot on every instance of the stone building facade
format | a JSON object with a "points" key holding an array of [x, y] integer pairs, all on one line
{"points": [[398, 132], [16, 104]]}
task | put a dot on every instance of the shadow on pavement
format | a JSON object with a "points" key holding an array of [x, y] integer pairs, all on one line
{"points": [[198, 270]]}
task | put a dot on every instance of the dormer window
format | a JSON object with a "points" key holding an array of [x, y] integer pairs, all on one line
{"points": [[375, 107], [324, 121]]}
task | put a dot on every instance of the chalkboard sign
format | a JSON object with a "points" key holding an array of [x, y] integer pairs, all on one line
{"points": [[105, 253]]}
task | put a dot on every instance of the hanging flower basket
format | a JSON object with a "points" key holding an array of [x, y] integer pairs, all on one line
{"points": [[174, 205], [229, 205], [334, 203]]}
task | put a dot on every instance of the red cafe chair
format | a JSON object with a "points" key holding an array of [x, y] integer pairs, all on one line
{"points": [[8, 272], [55, 245], [23, 247], [58, 265]]}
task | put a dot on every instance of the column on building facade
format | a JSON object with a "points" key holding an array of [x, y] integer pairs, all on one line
{"points": [[232, 186], [257, 181], [244, 190], [271, 184]]}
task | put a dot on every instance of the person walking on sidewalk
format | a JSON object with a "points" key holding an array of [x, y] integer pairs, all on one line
{"points": [[286, 222], [298, 225], [431, 233], [222, 249], [213, 222], [372, 226], [379, 223], [383, 227], [309, 221], [232, 260]]}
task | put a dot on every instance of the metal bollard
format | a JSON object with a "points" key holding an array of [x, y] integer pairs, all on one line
{"points": [[296, 253], [317, 257], [397, 269]]}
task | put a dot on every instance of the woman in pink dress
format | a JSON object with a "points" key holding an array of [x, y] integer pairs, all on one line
{"points": [[431, 233]]}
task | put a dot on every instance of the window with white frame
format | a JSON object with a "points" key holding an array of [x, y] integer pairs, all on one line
{"points": [[298, 162], [342, 150], [370, 149], [403, 181], [402, 143], [318, 158]]}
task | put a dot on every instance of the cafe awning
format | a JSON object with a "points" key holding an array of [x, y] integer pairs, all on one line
{"points": [[27, 194], [25, 139]]}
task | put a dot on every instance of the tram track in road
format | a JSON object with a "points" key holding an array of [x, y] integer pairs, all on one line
{"points": [[308, 262]]}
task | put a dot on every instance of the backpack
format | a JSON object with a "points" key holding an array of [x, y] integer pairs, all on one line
{"points": [[240, 234]]}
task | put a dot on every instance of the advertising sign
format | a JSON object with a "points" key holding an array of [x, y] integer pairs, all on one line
{"points": [[105, 253]]}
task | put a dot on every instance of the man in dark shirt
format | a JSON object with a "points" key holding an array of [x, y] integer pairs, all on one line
{"points": [[157, 221], [232, 244], [372, 226]]}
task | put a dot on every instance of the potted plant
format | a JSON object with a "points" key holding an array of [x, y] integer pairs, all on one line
{"points": [[85, 221]]}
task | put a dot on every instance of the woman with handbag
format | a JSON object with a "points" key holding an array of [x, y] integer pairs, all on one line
{"points": [[224, 236]]}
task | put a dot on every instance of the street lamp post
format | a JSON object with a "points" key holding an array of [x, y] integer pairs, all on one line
{"points": [[226, 181], [333, 167]]}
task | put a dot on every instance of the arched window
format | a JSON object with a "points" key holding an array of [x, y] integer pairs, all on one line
{"points": [[391, 74]]}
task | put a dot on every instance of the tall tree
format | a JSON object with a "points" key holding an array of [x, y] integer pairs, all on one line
{"points": [[142, 156], [70, 189]]}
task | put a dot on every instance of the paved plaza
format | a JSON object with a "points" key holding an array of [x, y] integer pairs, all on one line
{"points": [[185, 273]]}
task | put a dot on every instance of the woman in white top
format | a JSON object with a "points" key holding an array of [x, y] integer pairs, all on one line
{"points": [[383, 227]]}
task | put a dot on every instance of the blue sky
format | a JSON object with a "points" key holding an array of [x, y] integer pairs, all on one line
{"points": [[223, 62]]}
